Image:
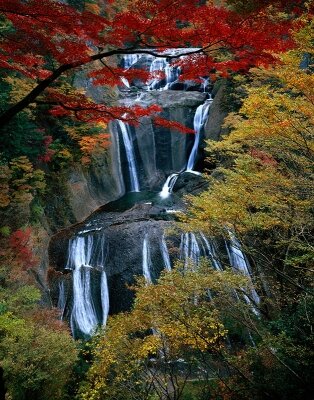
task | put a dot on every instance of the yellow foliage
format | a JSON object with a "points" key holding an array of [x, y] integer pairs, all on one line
{"points": [[20, 87], [93, 8], [93, 145], [19, 181], [271, 147], [170, 320]]}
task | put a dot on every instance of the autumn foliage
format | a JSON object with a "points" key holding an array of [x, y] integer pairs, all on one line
{"points": [[20, 243], [44, 40], [193, 325]]}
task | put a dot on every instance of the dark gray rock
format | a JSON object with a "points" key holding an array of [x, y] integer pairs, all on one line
{"points": [[173, 99], [189, 183], [124, 234], [213, 129]]}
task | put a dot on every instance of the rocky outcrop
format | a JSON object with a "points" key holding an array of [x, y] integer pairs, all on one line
{"points": [[119, 236], [169, 99], [159, 152], [189, 183], [213, 129]]}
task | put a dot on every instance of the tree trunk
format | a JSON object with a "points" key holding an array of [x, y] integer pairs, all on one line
{"points": [[2, 385]]}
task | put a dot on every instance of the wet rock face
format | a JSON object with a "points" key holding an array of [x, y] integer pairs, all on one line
{"points": [[158, 152], [172, 99], [115, 242], [213, 129], [123, 235], [189, 183]]}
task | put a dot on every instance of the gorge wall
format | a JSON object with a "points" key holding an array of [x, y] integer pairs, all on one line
{"points": [[137, 191]]}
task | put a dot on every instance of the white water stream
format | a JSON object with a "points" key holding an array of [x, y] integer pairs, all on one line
{"points": [[200, 118], [84, 255], [104, 297], [147, 262], [129, 150], [171, 74], [165, 253], [168, 186], [239, 263]]}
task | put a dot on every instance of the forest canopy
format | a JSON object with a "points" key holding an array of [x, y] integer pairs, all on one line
{"points": [[198, 333]]}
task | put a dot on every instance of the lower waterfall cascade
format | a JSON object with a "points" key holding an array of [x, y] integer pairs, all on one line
{"points": [[147, 261], [127, 140], [130, 236]]}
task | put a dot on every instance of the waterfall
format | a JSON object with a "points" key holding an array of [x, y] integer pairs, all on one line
{"points": [[239, 263], [79, 252], [192, 248], [189, 249], [158, 64], [147, 262], [211, 253], [86, 253], [205, 82], [128, 144], [171, 74], [195, 251], [237, 258], [184, 251], [83, 313], [168, 186], [165, 253], [200, 117], [125, 82], [130, 59], [61, 299], [104, 297]]}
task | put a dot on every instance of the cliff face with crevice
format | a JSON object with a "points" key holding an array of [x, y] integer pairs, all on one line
{"points": [[159, 152], [118, 224]]}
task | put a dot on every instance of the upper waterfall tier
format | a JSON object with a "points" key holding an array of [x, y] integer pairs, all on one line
{"points": [[151, 154], [164, 71], [130, 156], [200, 119], [146, 154], [141, 157]]}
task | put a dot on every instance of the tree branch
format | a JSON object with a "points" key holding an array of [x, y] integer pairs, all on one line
{"points": [[10, 113]]}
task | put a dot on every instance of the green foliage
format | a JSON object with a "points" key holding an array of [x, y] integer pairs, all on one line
{"points": [[5, 231], [280, 366], [22, 137], [37, 211], [36, 350], [139, 354], [36, 361]]}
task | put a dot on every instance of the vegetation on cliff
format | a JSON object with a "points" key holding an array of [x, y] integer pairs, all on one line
{"points": [[196, 334]]}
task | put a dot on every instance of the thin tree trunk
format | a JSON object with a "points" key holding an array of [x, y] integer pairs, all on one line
{"points": [[2, 385]]}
